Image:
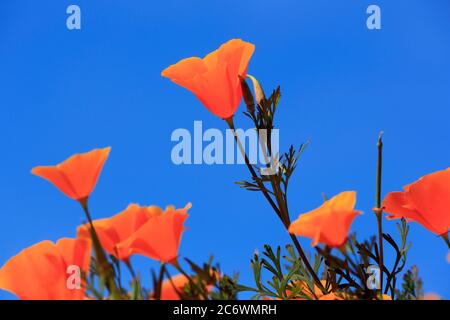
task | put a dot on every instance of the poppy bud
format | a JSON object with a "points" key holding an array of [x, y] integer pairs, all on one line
{"points": [[257, 89], [248, 97]]}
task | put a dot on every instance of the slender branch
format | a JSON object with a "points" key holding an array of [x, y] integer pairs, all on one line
{"points": [[379, 210], [130, 268], [106, 269], [306, 262], [279, 213], [391, 277], [279, 196], [157, 290], [447, 241], [250, 168], [190, 280]]}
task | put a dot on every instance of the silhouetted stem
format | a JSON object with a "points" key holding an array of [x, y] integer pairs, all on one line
{"points": [[276, 209], [250, 168], [191, 281], [281, 201], [158, 287], [379, 210], [447, 241], [106, 269], [130, 268]]}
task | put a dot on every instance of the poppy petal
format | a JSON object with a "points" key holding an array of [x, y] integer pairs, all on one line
{"points": [[40, 271], [330, 223], [214, 80], [77, 176]]}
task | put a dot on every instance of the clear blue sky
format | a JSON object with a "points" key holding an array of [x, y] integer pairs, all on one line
{"points": [[63, 92]]}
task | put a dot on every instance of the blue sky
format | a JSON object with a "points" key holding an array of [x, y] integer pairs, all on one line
{"points": [[63, 92]]}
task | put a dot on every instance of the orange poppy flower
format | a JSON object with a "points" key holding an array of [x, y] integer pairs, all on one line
{"points": [[330, 295], [431, 296], [42, 271], [77, 176], [426, 201], [171, 288], [330, 223], [142, 230], [307, 294], [318, 294], [346, 296], [214, 80]]}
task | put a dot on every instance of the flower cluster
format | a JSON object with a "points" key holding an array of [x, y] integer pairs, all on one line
{"points": [[42, 271], [218, 80]]}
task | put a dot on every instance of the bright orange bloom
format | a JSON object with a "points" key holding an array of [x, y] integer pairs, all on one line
{"points": [[171, 288], [77, 176], [141, 230], [431, 296], [307, 294], [42, 271], [214, 80], [330, 223], [318, 294], [426, 201]]}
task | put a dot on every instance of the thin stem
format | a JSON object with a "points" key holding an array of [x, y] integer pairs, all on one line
{"points": [[95, 239], [130, 268], [191, 281], [160, 279], [280, 214], [250, 168], [391, 277], [379, 210], [281, 200], [447, 241], [379, 170], [119, 275], [100, 254], [106, 269], [306, 263]]}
